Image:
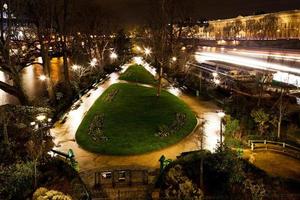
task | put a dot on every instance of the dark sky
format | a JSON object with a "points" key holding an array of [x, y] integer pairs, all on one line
{"points": [[136, 10]]}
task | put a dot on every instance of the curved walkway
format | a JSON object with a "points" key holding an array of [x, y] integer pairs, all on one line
{"points": [[64, 134]]}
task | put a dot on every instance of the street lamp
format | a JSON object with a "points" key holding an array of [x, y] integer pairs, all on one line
{"points": [[221, 114], [174, 59]]}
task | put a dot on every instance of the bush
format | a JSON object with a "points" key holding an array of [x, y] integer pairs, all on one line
{"points": [[180, 186], [16, 181], [45, 194]]}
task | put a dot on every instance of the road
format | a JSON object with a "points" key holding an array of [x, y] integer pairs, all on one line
{"points": [[285, 65], [64, 134]]}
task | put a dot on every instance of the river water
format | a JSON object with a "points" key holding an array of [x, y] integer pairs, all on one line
{"points": [[32, 85]]}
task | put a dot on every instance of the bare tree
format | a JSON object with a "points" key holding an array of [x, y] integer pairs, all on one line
{"points": [[164, 37], [17, 51], [40, 14]]}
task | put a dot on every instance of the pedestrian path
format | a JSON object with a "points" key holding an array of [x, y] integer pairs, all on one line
{"points": [[64, 134]]}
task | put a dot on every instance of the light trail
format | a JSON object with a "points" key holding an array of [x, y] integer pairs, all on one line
{"points": [[275, 55], [246, 62]]}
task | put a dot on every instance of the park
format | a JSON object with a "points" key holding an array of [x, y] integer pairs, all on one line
{"points": [[149, 99], [134, 119]]}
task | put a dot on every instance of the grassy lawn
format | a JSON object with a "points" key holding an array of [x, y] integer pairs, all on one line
{"points": [[131, 120], [137, 73]]}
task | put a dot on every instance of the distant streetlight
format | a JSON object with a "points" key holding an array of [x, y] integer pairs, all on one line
{"points": [[215, 74], [42, 77], [183, 48], [75, 67], [217, 81], [41, 117], [113, 56], [93, 62], [138, 60], [221, 114], [148, 51], [174, 59]]}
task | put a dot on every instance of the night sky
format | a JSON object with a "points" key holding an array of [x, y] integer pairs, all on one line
{"points": [[135, 11]]}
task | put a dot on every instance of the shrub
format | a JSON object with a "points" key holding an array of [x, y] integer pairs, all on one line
{"points": [[45, 194]]}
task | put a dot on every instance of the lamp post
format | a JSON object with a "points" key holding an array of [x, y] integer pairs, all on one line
{"points": [[221, 114]]}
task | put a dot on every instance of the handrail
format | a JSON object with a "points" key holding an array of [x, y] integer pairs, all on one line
{"points": [[286, 148]]}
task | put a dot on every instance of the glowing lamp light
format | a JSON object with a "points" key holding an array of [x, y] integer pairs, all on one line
{"points": [[113, 55], [75, 67], [42, 77], [221, 113], [138, 60], [217, 81], [32, 123], [41, 117], [174, 59], [147, 51], [215, 74], [93, 62]]}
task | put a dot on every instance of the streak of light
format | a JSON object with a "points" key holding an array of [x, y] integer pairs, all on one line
{"points": [[247, 62], [268, 54]]}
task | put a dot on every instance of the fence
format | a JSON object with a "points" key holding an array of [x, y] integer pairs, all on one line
{"points": [[275, 146]]}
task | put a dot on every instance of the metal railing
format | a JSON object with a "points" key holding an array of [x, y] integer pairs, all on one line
{"points": [[280, 147]]}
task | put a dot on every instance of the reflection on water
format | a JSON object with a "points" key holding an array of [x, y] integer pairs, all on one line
{"points": [[4, 97], [32, 85]]}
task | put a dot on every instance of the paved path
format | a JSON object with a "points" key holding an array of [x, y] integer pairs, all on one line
{"points": [[64, 134], [275, 164]]}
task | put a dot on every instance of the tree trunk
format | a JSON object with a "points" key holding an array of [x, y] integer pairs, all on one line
{"points": [[66, 67], [201, 173], [5, 134], [35, 173], [46, 69], [159, 81], [14, 91], [280, 116]]}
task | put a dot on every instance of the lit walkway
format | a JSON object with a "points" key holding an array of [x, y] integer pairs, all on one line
{"points": [[64, 135]]}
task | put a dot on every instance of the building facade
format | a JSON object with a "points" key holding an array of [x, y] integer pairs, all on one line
{"points": [[270, 26]]}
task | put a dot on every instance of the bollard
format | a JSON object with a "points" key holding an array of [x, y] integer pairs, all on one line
{"points": [[265, 142]]}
